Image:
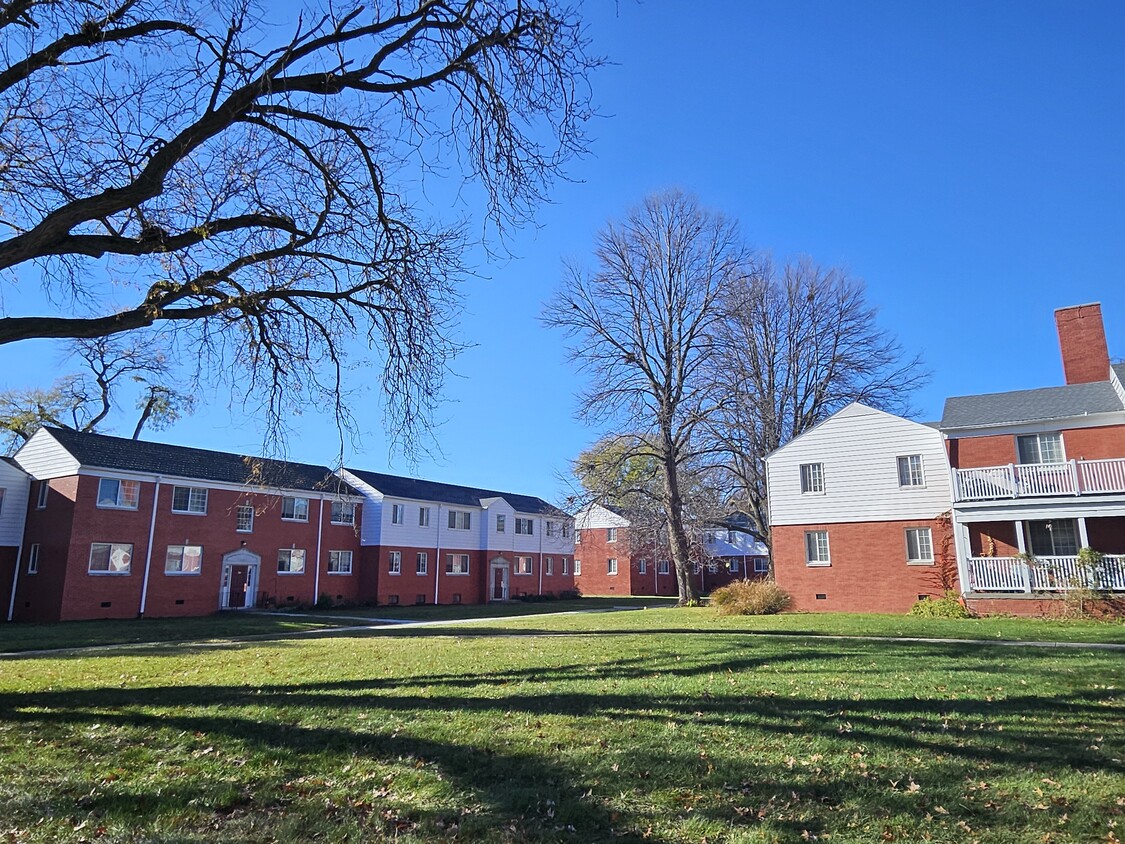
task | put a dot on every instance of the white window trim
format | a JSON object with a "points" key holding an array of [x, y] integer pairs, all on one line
{"points": [[820, 478], [240, 507], [118, 506], [44, 491], [181, 572], [611, 567], [520, 562], [190, 489], [294, 499], [338, 572], [459, 516], [460, 558], [110, 572], [33, 559], [423, 517], [827, 547], [422, 563], [611, 534], [345, 507], [920, 561], [394, 563], [921, 468], [289, 571]]}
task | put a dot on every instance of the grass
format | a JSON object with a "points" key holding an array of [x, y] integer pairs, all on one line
{"points": [[578, 736]]}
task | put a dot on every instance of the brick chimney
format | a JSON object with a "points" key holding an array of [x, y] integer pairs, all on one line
{"points": [[1085, 356]]}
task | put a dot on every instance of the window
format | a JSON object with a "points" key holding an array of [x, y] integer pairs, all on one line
{"points": [[2, 499], [183, 559], [339, 562], [732, 566], [642, 566], [611, 534], [1040, 448], [566, 566], [422, 563], [550, 528], [1056, 538], [189, 499], [394, 562], [523, 565], [713, 567], [910, 471], [577, 567], [291, 561], [244, 517], [460, 519], [398, 513], [611, 566], [110, 558], [566, 530], [761, 565], [663, 567], [295, 509], [423, 517], [343, 513], [919, 545], [122, 495], [578, 537], [548, 565], [525, 527], [41, 502], [816, 548], [812, 477], [501, 523], [33, 559], [457, 563]]}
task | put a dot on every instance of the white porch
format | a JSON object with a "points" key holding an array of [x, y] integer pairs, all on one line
{"points": [[1043, 574], [1036, 480]]}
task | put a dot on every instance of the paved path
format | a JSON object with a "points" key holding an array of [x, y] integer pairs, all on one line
{"points": [[376, 625]]}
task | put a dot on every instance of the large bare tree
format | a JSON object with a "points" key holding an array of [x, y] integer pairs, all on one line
{"points": [[798, 342], [642, 327], [255, 184]]}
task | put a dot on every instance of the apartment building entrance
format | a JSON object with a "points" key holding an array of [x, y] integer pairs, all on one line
{"points": [[240, 580], [498, 580]]}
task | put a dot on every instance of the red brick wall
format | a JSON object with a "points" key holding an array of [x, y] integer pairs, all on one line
{"points": [[976, 452], [1085, 356], [8, 563], [1002, 534], [39, 596], [594, 550], [83, 594], [868, 571], [1107, 534], [1095, 443]]}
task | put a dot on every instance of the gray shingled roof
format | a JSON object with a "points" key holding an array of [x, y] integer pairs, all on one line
{"points": [[1029, 405], [399, 487], [100, 451], [1119, 368]]}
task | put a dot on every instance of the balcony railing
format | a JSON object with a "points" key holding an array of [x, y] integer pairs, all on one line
{"points": [[1044, 574], [1030, 480]]}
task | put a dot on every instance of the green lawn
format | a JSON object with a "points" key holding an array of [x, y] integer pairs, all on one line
{"points": [[610, 727]]}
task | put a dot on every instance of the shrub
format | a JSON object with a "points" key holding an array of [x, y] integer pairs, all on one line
{"points": [[947, 606], [325, 602], [569, 595], [750, 597]]}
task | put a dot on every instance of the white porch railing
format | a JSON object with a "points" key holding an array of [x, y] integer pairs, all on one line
{"points": [[1075, 477], [1044, 574]]}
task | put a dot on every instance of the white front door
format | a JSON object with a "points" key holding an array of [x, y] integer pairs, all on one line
{"points": [[239, 587]]}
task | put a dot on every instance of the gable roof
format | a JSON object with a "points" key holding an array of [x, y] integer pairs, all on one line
{"points": [[104, 452], [1036, 405], [397, 486]]}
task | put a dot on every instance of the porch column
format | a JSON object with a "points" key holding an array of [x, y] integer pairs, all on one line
{"points": [[1021, 541], [961, 548], [1083, 537]]}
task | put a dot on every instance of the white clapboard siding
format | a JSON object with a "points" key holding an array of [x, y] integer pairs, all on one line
{"points": [[859, 448], [597, 516], [370, 530], [489, 536], [43, 457], [16, 485]]}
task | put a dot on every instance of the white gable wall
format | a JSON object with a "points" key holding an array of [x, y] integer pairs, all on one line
{"points": [[858, 448], [371, 521], [16, 485], [597, 516], [42, 457]]}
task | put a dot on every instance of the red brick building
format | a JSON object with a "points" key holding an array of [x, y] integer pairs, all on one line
{"points": [[115, 528], [870, 512], [613, 556]]}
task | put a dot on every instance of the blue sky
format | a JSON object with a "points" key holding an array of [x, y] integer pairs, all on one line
{"points": [[966, 160]]}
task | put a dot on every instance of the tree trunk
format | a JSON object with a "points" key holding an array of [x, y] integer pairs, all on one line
{"points": [[677, 537]]}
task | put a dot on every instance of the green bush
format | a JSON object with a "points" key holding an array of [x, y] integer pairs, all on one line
{"points": [[947, 606], [750, 597]]}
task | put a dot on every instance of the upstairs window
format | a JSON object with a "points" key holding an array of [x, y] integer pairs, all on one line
{"points": [[41, 502], [525, 527], [460, 519], [501, 523], [611, 534], [189, 499], [295, 509], [1040, 448], [423, 517], [566, 530], [910, 471], [244, 519], [121, 495], [33, 559], [550, 528], [398, 514], [343, 513], [812, 477]]}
